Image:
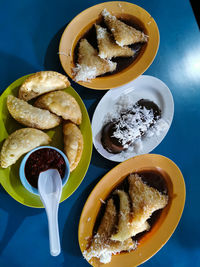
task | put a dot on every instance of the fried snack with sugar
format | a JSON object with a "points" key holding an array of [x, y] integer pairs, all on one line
{"points": [[145, 200], [21, 142], [107, 46], [42, 82], [102, 247], [125, 228], [73, 144], [123, 33], [90, 64], [62, 104], [31, 116]]}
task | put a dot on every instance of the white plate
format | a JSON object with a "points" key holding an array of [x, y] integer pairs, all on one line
{"points": [[147, 87]]}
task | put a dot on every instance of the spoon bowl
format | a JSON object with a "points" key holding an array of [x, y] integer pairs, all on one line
{"points": [[50, 189]]}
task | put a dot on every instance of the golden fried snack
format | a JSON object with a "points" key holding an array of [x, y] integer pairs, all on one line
{"points": [[102, 247], [31, 116], [73, 144], [145, 200], [125, 228], [42, 82], [21, 142], [123, 33], [62, 104], [90, 64], [107, 46]]}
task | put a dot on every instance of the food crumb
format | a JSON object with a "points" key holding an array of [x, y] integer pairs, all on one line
{"points": [[63, 53], [102, 201]]}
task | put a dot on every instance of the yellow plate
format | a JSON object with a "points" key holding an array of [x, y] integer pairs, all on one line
{"points": [[164, 227], [9, 178], [84, 21]]}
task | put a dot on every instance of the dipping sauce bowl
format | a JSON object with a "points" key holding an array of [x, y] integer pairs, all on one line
{"points": [[41, 159]]}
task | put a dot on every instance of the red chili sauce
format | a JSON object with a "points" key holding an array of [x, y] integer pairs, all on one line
{"points": [[42, 160]]}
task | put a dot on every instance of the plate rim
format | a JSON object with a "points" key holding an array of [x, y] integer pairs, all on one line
{"points": [[2, 181], [178, 215], [90, 84], [121, 88]]}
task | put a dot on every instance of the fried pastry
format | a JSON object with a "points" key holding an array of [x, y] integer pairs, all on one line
{"points": [[62, 104], [123, 33], [102, 247], [125, 228], [42, 82], [107, 46], [21, 142], [73, 144], [31, 116], [90, 64], [145, 200]]}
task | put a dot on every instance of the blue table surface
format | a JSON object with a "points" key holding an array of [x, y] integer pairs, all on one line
{"points": [[30, 33]]}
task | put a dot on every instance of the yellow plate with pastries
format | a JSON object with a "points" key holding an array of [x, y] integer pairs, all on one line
{"points": [[42, 109], [109, 44], [132, 212]]}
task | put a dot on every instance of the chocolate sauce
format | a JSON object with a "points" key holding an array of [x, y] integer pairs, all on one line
{"points": [[42, 160], [122, 62], [109, 142], [151, 178]]}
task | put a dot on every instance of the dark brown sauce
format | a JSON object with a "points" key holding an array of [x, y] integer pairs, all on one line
{"points": [[122, 62], [151, 178]]}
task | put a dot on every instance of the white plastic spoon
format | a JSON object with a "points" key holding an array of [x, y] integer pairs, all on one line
{"points": [[50, 189]]}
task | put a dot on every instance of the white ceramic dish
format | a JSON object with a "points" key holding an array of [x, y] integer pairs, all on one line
{"points": [[146, 87]]}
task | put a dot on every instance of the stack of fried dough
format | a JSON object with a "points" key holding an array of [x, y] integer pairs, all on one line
{"points": [[52, 107], [111, 44], [116, 229]]}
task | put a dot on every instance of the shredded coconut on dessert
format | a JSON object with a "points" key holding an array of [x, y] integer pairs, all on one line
{"points": [[101, 33], [106, 13], [84, 73], [133, 124], [104, 255]]}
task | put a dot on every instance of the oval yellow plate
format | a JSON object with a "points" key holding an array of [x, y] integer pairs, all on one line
{"points": [[9, 178], [164, 227], [84, 21]]}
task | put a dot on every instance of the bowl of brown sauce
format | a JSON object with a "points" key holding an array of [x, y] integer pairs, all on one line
{"points": [[41, 159]]}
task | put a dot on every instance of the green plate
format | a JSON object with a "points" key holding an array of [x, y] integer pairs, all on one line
{"points": [[9, 178]]}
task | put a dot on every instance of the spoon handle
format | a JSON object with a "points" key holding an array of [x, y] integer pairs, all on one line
{"points": [[54, 237]]}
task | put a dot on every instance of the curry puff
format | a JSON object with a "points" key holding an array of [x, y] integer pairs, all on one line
{"points": [[90, 65], [101, 246], [42, 82], [73, 144], [31, 116], [123, 33], [107, 46], [62, 104], [21, 142]]}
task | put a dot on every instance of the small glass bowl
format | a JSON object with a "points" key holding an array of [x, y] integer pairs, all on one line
{"points": [[22, 175]]}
